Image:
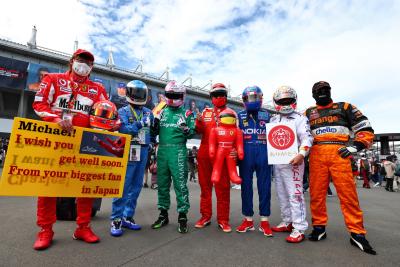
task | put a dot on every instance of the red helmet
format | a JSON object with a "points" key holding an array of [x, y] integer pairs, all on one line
{"points": [[104, 115], [227, 117], [218, 89], [219, 95]]}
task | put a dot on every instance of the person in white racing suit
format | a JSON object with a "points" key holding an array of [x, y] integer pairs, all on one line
{"points": [[289, 177]]}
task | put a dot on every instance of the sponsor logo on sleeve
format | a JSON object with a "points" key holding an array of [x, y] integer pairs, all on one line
{"points": [[92, 91], [62, 82], [361, 125], [43, 85]]}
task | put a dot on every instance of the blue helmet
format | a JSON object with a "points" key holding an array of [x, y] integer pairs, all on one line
{"points": [[252, 98], [136, 92]]}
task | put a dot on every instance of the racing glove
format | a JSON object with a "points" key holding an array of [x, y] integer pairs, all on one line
{"points": [[145, 122], [182, 125], [346, 151]]}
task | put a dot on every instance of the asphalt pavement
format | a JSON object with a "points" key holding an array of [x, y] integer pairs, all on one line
{"points": [[204, 247]]}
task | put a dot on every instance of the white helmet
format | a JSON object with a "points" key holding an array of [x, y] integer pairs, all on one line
{"points": [[285, 99], [175, 94]]}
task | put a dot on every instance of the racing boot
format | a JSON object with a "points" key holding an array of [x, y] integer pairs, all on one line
{"points": [[358, 240], [85, 233], [116, 227], [44, 238], [130, 224], [203, 222], [247, 225], [182, 223], [283, 227], [224, 225], [318, 233], [265, 228], [295, 236], [161, 221]]}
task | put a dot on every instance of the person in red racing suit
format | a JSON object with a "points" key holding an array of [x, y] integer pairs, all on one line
{"points": [[205, 121], [66, 99], [331, 124]]}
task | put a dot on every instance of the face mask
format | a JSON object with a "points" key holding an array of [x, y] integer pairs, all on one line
{"points": [[322, 96], [80, 68], [219, 101]]}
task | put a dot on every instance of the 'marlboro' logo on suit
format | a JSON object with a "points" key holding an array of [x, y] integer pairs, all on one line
{"points": [[281, 142]]}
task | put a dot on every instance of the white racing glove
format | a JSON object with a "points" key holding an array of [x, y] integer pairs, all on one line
{"points": [[145, 122], [182, 124]]}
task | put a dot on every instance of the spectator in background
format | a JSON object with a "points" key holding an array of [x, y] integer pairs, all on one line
{"points": [[376, 173], [390, 168], [354, 168], [396, 173], [42, 71], [192, 155], [365, 170]]}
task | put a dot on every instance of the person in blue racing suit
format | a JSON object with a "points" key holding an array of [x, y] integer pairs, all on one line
{"points": [[136, 120], [252, 122]]}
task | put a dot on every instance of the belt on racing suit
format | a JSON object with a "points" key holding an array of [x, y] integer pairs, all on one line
{"points": [[225, 144], [330, 143]]}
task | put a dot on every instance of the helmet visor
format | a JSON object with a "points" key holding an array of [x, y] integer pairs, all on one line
{"points": [[104, 113], [285, 101], [218, 93], [174, 95], [228, 119], [138, 94], [252, 98]]}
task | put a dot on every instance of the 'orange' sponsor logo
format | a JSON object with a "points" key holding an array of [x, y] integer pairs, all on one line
{"points": [[325, 119]]}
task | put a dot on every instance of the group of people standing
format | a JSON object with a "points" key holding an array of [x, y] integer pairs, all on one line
{"points": [[323, 132]]}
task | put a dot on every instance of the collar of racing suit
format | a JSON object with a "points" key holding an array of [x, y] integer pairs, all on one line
{"points": [[76, 78], [324, 107]]}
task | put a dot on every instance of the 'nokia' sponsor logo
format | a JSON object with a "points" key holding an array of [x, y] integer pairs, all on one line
{"points": [[253, 131]]}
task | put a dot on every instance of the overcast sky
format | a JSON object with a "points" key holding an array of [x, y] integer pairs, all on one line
{"points": [[354, 45]]}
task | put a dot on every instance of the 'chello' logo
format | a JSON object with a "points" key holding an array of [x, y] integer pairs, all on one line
{"points": [[281, 137]]}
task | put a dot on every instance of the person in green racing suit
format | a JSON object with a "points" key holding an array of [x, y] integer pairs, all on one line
{"points": [[174, 126]]}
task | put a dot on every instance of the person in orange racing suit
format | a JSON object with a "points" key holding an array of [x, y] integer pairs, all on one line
{"points": [[331, 124], [205, 121], [66, 99], [225, 140]]}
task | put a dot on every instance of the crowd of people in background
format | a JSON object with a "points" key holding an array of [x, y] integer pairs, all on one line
{"points": [[3, 150], [378, 173]]}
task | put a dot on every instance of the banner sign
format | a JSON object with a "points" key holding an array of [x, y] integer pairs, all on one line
{"points": [[13, 73], [281, 142], [44, 160], [36, 72]]}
